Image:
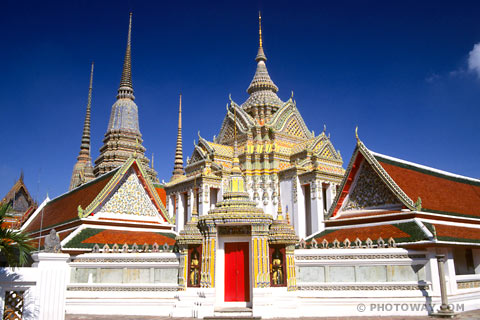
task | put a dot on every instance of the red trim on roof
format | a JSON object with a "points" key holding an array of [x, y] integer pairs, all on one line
{"points": [[348, 183]]}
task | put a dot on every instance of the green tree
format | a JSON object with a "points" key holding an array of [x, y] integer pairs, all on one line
{"points": [[14, 244]]}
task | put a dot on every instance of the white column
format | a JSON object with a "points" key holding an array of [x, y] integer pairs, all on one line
{"points": [[299, 209], [330, 195], [317, 207], [179, 218], [450, 272], [171, 208], [52, 284], [432, 271]]}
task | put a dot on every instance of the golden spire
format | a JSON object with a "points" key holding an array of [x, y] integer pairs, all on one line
{"points": [[260, 28], [178, 163], [260, 54]]}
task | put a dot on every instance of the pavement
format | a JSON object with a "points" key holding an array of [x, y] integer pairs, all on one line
{"points": [[470, 315]]}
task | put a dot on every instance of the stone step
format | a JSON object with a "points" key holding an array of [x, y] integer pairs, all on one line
{"points": [[232, 313]]}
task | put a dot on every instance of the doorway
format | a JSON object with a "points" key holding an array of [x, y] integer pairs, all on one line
{"points": [[237, 271]]}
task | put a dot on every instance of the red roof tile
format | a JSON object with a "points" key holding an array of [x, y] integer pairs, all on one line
{"points": [[162, 194], [129, 237], [438, 192], [65, 207], [373, 232], [448, 232]]}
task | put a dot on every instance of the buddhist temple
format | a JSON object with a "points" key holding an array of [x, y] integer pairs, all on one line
{"points": [[261, 221], [20, 202], [275, 148]]}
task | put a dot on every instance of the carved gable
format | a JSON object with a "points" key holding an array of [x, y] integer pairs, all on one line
{"points": [[370, 191], [130, 198]]}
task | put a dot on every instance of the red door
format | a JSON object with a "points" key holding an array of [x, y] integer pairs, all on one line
{"points": [[236, 272]]}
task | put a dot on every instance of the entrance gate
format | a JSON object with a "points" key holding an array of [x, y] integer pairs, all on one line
{"points": [[237, 271]]}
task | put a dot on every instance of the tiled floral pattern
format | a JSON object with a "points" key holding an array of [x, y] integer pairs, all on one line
{"points": [[130, 198]]}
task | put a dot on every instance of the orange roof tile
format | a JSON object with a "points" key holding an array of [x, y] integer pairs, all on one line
{"points": [[65, 208], [441, 193]]}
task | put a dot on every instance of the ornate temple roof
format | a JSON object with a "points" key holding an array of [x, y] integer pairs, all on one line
{"points": [[408, 185], [262, 90], [387, 200], [121, 197]]}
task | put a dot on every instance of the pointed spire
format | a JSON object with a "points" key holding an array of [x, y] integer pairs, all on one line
{"points": [[83, 170], [126, 87], [84, 154], [178, 164], [260, 55], [261, 80]]}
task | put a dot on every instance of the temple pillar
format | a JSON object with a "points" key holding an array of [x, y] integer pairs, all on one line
{"points": [[330, 195], [179, 220], [298, 210], [207, 278], [317, 206], [290, 266], [261, 266]]}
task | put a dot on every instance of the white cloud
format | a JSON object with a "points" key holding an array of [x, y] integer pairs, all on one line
{"points": [[474, 59]]}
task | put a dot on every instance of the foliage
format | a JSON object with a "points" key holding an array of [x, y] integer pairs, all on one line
{"points": [[14, 244]]}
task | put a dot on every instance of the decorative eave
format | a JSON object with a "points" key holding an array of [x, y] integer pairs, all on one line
{"points": [[115, 180]]}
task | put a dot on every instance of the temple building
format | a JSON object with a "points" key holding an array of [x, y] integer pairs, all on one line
{"points": [[279, 156], [20, 202], [268, 225], [123, 138]]}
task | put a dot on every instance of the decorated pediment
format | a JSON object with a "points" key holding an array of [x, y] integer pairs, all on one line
{"points": [[326, 151], [370, 192], [235, 116], [198, 155], [288, 120], [129, 199]]}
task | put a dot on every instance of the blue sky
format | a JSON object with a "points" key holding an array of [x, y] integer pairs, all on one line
{"points": [[398, 69]]}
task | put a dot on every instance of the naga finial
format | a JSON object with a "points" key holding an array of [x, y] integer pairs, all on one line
{"points": [[356, 134]]}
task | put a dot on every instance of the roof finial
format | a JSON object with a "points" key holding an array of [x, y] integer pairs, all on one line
{"points": [[260, 28], [260, 55], [356, 134], [178, 164], [126, 88]]}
